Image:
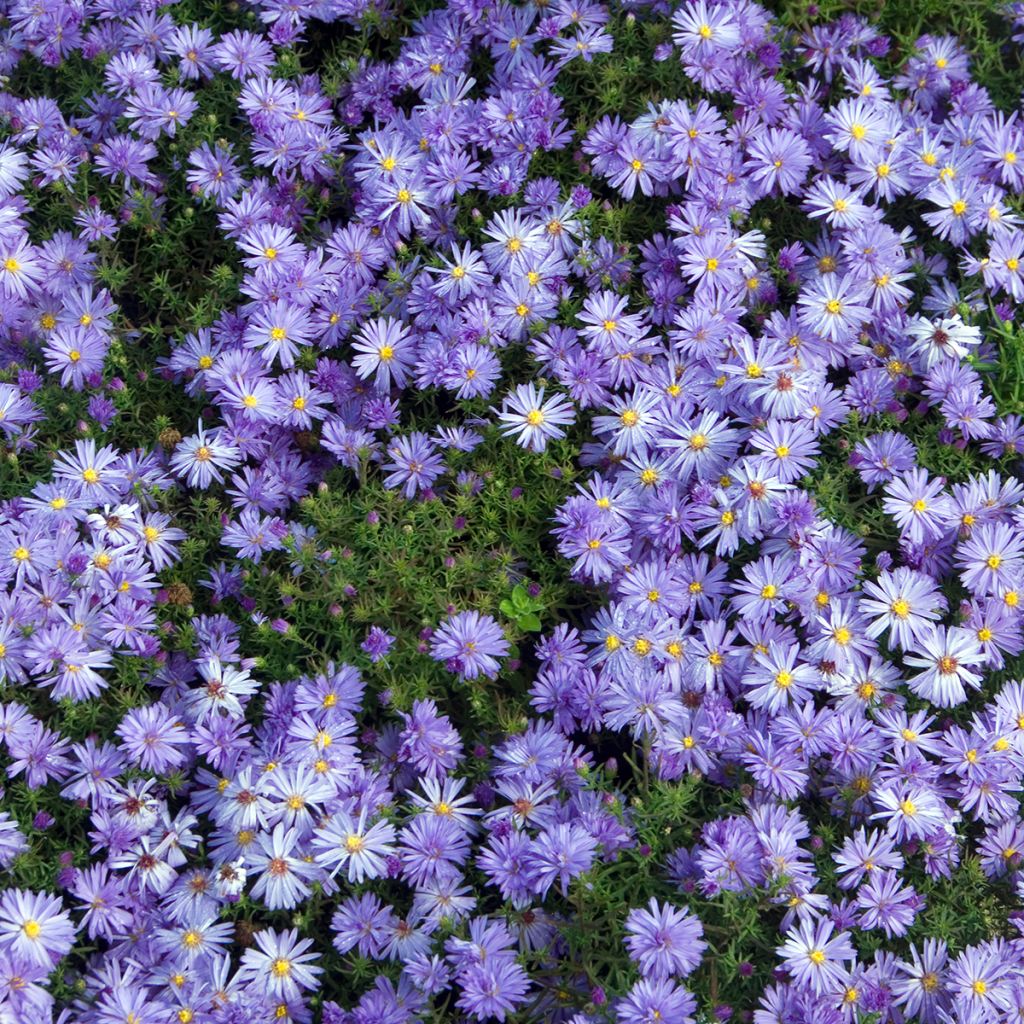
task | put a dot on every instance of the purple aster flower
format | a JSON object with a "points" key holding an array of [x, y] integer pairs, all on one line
{"points": [[279, 966], [34, 927], [650, 1001], [815, 957], [492, 989], [415, 463], [532, 420], [153, 737], [886, 904], [377, 644], [200, 458], [471, 644], [560, 853], [664, 940], [385, 350]]}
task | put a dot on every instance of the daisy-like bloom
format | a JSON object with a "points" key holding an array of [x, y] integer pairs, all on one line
{"points": [[20, 270], [271, 248], [947, 658], [778, 161], [650, 1002], [788, 449], [415, 463], [560, 852], [858, 127], [471, 644], [76, 353], [886, 904], [93, 473], [979, 980], [838, 202], [280, 967], [158, 538], [777, 681], [911, 812], [834, 308], [990, 558], [864, 853], [34, 927], [918, 505], [386, 351], [700, 30], [493, 988], [532, 420], [664, 940], [700, 448], [880, 457], [200, 458], [346, 842], [904, 602], [442, 797], [285, 873], [152, 736], [224, 689], [278, 330], [815, 957], [464, 275], [213, 172], [921, 987], [947, 338], [196, 939], [606, 322]]}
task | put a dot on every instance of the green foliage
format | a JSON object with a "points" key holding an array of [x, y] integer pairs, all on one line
{"points": [[522, 609]]}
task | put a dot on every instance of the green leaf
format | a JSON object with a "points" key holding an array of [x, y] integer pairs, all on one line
{"points": [[528, 622], [520, 597], [506, 608]]}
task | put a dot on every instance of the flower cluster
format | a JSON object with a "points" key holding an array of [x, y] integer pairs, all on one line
{"points": [[767, 316]]}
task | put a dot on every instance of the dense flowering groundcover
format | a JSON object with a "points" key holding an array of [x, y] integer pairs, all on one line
{"points": [[511, 512]]}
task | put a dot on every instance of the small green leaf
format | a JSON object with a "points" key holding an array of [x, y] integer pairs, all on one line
{"points": [[506, 608], [528, 622]]}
